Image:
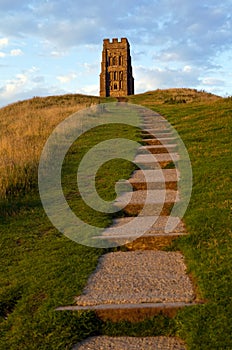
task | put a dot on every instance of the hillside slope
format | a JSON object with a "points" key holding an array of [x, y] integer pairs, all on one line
{"points": [[42, 269], [25, 127]]}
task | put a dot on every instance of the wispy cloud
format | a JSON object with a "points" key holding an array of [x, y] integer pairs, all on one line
{"points": [[66, 78], [174, 42], [4, 42], [16, 52], [28, 83]]}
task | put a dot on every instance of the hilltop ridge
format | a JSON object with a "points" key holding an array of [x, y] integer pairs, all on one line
{"points": [[175, 95], [172, 96]]}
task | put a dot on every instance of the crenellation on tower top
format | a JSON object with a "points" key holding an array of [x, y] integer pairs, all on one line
{"points": [[115, 41]]}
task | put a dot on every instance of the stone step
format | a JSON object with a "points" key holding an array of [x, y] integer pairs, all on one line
{"points": [[135, 285], [147, 202], [130, 312], [152, 120], [136, 233], [154, 179], [149, 124], [157, 133], [145, 242], [162, 175], [148, 196], [156, 158], [157, 149], [161, 127], [158, 130], [154, 141], [155, 121], [160, 226], [168, 185], [148, 209], [131, 343]]}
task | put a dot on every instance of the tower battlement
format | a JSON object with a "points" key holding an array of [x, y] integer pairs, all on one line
{"points": [[116, 77], [115, 40]]}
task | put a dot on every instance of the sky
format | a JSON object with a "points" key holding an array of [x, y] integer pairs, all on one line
{"points": [[50, 47]]}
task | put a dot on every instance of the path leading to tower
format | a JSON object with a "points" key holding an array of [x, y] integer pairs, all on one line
{"points": [[124, 343], [144, 280]]}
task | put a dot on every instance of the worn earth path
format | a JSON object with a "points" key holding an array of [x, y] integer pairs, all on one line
{"points": [[145, 280]]}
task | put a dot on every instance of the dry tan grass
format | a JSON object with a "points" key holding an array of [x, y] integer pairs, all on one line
{"points": [[174, 96], [25, 127]]}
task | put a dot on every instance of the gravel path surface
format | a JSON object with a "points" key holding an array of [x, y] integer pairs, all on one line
{"points": [[129, 343], [158, 228], [142, 277], [161, 175], [157, 149], [152, 180], [155, 158], [138, 277], [148, 197]]}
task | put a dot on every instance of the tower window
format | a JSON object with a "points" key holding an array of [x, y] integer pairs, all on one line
{"points": [[116, 71]]}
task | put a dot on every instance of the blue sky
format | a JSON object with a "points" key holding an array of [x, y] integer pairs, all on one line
{"points": [[54, 47]]}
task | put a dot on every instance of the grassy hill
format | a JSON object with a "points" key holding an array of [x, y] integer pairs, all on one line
{"points": [[41, 269], [204, 124], [174, 96], [25, 126]]}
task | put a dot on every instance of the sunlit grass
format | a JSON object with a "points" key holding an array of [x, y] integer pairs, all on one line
{"points": [[41, 269], [205, 126], [24, 129]]}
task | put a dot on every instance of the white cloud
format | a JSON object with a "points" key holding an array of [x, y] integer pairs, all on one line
{"points": [[183, 38], [153, 78], [187, 69], [56, 53], [18, 85], [89, 90], [13, 52], [13, 86], [210, 81], [66, 78], [16, 52], [91, 67], [26, 85], [4, 42]]}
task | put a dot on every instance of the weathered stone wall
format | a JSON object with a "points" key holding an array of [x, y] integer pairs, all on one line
{"points": [[116, 77]]}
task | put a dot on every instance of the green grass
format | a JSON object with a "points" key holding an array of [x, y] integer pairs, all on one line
{"points": [[205, 127], [107, 175], [41, 269]]}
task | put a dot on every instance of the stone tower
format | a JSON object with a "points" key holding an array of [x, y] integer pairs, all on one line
{"points": [[116, 71]]}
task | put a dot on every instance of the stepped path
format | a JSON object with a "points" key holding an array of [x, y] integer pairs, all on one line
{"points": [[144, 280]]}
